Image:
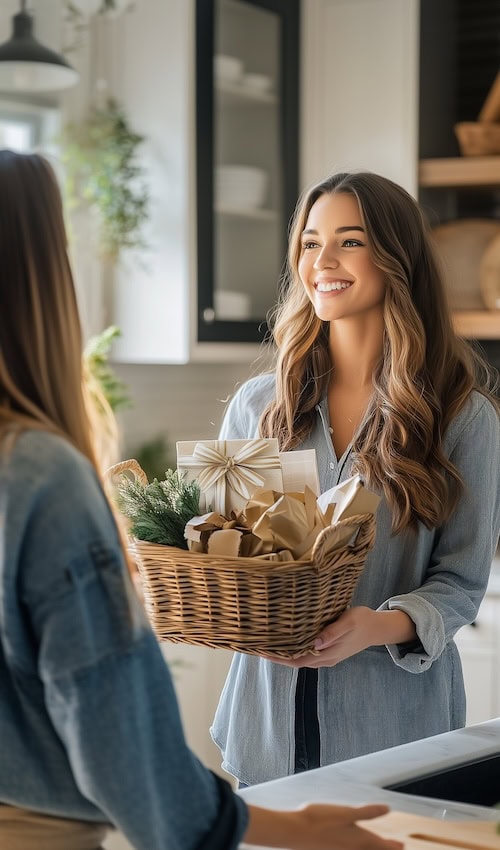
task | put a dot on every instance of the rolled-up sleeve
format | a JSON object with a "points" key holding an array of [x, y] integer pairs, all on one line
{"points": [[460, 563]]}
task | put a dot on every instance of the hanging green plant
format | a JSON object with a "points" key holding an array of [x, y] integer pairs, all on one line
{"points": [[100, 159]]}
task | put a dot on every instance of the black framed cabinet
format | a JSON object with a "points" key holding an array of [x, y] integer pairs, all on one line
{"points": [[247, 160]]}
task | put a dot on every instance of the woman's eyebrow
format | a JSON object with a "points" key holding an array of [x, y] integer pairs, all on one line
{"points": [[338, 230]]}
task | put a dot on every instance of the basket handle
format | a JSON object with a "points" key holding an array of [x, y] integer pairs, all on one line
{"points": [[364, 536], [127, 466]]}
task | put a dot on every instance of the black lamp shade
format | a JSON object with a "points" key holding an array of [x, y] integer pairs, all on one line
{"points": [[26, 65]]}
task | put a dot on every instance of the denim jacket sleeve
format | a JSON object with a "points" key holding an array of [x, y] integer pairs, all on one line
{"points": [[107, 688], [458, 572]]}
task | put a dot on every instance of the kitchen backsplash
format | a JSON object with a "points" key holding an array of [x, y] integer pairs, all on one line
{"points": [[177, 402]]}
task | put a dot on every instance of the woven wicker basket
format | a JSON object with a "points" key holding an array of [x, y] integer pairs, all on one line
{"points": [[478, 138], [250, 605]]}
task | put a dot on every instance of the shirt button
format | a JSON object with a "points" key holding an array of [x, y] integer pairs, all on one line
{"points": [[332, 465]]}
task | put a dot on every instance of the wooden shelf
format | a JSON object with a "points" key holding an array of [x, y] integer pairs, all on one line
{"points": [[469, 171], [477, 324]]}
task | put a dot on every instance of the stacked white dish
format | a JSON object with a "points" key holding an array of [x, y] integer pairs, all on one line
{"points": [[240, 186], [231, 305], [257, 83], [228, 69]]}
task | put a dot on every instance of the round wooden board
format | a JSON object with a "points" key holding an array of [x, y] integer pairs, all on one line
{"points": [[489, 274], [461, 245]]}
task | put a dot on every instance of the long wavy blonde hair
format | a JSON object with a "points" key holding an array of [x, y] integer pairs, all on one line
{"points": [[426, 373], [41, 374]]}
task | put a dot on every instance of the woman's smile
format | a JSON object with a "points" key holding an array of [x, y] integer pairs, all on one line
{"points": [[334, 287]]}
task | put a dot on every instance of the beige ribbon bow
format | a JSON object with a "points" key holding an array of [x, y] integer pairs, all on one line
{"points": [[238, 472]]}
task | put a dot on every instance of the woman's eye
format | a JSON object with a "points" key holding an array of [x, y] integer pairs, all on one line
{"points": [[307, 245], [352, 243]]}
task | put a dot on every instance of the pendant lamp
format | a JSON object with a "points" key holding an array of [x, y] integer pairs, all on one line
{"points": [[28, 66]]}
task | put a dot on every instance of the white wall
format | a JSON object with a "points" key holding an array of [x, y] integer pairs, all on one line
{"points": [[360, 88], [154, 48]]}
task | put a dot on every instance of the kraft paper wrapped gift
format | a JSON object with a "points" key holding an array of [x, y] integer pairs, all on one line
{"points": [[230, 471], [282, 526], [350, 498]]}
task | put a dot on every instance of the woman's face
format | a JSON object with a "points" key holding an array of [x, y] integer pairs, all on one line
{"points": [[335, 265]]}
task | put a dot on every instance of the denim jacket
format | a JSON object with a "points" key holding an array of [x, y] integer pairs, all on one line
{"points": [[382, 696], [89, 725]]}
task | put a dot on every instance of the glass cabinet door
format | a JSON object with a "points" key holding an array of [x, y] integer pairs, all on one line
{"points": [[247, 75]]}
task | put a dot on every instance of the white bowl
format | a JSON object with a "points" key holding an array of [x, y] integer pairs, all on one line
{"points": [[240, 186], [258, 83], [231, 305], [228, 69]]}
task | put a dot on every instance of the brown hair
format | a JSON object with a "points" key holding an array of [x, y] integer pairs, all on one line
{"points": [[41, 380], [426, 373]]}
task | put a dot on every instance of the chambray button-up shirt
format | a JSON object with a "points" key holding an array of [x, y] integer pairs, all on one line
{"points": [[385, 695]]}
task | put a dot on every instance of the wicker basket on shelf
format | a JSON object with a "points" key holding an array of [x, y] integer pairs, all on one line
{"points": [[250, 605], [477, 138]]}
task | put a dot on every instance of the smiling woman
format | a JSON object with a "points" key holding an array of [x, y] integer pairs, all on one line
{"points": [[371, 375]]}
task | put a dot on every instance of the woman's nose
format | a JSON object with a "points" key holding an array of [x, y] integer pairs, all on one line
{"points": [[326, 258]]}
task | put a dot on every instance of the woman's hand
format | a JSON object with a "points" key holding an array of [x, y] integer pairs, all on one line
{"points": [[317, 827], [355, 630]]}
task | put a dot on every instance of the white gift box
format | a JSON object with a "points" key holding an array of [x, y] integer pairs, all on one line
{"points": [[229, 472]]}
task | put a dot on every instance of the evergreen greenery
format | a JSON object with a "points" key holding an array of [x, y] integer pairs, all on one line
{"points": [[158, 511]]}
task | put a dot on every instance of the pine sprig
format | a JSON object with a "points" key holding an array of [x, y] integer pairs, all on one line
{"points": [[159, 511]]}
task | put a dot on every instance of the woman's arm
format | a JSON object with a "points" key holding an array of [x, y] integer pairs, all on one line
{"points": [[460, 563], [355, 630], [317, 827]]}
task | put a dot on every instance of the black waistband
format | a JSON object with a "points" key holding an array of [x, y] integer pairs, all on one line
{"points": [[307, 742]]}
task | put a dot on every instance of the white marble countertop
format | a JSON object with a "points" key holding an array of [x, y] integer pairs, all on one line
{"points": [[363, 779]]}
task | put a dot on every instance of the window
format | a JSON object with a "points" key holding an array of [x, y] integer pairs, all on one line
{"points": [[25, 127]]}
